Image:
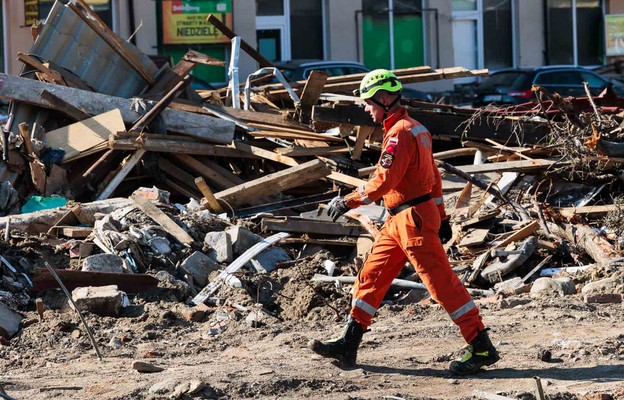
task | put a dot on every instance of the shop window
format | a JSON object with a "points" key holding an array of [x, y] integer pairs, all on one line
{"points": [[560, 27], [269, 7], [498, 36], [306, 29]]}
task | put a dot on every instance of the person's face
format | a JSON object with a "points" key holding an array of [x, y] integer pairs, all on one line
{"points": [[375, 111]]}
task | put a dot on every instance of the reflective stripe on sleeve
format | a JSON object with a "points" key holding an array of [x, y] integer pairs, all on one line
{"points": [[363, 197], [438, 200], [364, 306], [462, 310], [418, 129]]}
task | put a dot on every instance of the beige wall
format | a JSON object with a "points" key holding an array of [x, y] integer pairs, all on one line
{"points": [[244, 16], [17, 38], [341, 29], [530, 45]]}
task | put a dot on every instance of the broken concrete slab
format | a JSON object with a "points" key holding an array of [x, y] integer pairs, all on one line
{"points": [[546, 287], [101, 300], [177, 287], [268, 259], [220, 244], [603, 298], [9, 321], [199, 266], [103, 263], [242, 239], [614, 284]]}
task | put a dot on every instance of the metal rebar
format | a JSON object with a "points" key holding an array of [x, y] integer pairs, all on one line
{"points": [[539, 392], [84, 322]]}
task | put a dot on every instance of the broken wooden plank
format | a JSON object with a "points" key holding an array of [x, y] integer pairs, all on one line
{"points": [[274, 183], [129, 283], [76, 232], [127, 165], [212, 201], [303, 225], [177, 173], [474, 238], [323, 242], [210, 170], [37, 169], [311, 93], [162, 219], [84, 135], [520, 234], [197, 125], [337, 176], [363, 133], [174, 145], [298, 151], [569, 212]]}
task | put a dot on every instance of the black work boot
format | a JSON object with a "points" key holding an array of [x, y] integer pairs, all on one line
{"points": [[344, 348], [479, 353]]}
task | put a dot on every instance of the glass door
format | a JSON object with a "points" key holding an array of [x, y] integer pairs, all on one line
{"points": [[273, 29]]}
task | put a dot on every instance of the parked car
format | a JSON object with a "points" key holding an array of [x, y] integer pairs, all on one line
{"points": [[300, 69], [513, 86]]}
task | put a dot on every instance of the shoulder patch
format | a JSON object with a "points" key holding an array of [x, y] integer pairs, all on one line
{"points": [[386, 160]]}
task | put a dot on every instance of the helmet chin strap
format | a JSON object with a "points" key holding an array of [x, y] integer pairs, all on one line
{"points": [[388, 107]]}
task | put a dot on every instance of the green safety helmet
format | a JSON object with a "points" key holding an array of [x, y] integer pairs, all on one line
{"points": [[379, 79]]}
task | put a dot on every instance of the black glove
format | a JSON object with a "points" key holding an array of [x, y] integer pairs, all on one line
{"points": [[446, 232], [336, 207]]}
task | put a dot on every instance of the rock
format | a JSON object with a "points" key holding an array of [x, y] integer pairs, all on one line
{"points": [[179, 288], [199, 266], [160, 245], [9, 321], [220, 245], [197, 313], [189, 387], [166, 386], [511, 302], [145, 367], [567, 285], [258, 318], [242, 239], [614, 284], [101, 300], [546, 287], [604, 298], [267, 260], [544, 355], [103, 263]]}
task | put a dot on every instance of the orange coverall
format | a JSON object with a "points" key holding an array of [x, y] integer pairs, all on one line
{"points": [[406, 170]]}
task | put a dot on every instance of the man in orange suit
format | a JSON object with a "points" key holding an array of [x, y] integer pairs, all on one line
{"points": [[409, 182]]}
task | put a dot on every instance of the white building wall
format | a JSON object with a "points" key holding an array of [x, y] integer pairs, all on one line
{"points": [[342, 30]]}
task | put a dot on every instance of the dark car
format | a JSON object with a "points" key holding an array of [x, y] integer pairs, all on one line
{"points": [[513, 86], [297, 70]]}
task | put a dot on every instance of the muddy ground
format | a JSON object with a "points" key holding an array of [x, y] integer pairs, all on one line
{"points": [[405, 355]]}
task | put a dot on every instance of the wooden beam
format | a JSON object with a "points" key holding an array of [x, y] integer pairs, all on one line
{"points": [[569, 212], [211, 200], [337, 176], [311, 93], [274, 183], [162, 219], [63, 106], [302, 225], [299, 151], [177, 173], [207, 170], [27, 90], [363, 133], [175, 146], [519, 234]]}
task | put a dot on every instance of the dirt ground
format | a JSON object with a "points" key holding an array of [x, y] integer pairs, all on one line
{"points": [[404, 356]]}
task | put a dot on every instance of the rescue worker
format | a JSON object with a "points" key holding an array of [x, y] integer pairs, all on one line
{"points": [[408, 180]]}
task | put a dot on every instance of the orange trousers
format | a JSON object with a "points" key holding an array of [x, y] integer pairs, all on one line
{"points": [[413, 235]]}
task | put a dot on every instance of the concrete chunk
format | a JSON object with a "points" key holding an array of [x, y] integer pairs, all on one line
{"points": [[199, 266], [242, 239], [220, 245], [103, 263], [9, 321], [101, 300]]}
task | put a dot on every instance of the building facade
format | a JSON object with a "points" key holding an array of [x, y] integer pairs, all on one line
{"points": [[476, 34]]}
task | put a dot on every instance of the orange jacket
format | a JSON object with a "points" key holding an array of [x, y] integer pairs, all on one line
{"points": [[405, 170]]}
